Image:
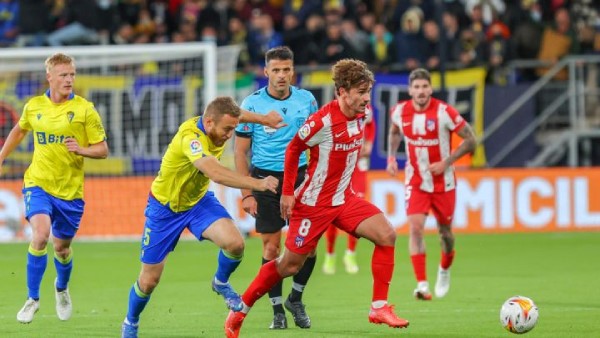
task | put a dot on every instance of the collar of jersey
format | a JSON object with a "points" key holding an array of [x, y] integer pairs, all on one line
{"points": [[71, 96], [200, 125], [276, 98]]}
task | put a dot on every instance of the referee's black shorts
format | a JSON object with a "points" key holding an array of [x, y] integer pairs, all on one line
{"points": [[268, 216]]}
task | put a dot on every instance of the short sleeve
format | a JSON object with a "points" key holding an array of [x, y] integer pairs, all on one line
{"points": [[314, 106], [24, 121], [396, 115], [193, 146], [93, 126], [310, 132], [245, 129], [455, 121]]}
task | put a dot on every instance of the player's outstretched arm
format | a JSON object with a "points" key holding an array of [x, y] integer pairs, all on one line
{"points": [[97, 150], [16, 135], [394, 139], [217, 173], [271, 119]]}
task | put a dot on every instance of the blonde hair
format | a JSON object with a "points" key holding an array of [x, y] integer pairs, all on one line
{"points": [[58, 59], [222, 105]]}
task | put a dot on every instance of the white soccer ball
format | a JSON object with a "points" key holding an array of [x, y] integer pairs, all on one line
{"points": [[519, 314]]}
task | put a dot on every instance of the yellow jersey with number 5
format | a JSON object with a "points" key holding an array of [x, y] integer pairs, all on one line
{"points": [[179, 184], [54, 168]]}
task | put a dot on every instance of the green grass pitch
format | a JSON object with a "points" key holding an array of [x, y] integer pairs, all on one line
{"points": [[559, 271]]}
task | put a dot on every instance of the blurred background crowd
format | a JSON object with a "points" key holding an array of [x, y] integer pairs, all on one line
{"points": [[391, 35]]}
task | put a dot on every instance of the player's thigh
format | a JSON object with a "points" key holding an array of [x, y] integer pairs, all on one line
{"points": [[162, 230], [417, 201], [362, 218], [443, 204], [307, 225], [225, 235], [66, 217], [38, 211]]}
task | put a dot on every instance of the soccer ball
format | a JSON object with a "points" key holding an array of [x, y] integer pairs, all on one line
{"points": [[519, 314]]}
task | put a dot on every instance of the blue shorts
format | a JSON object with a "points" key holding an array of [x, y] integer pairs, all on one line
{"points": [[164, 227], [65, 215]]}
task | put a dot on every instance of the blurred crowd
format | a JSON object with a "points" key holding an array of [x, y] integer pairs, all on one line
{"points": [[390, 35]]}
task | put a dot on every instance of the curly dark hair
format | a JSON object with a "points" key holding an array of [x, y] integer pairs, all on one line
{"points": [[351, 73]]}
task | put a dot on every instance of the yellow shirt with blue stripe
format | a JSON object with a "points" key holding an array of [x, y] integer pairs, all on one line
{"points": [[179, 184], [54, 168]]}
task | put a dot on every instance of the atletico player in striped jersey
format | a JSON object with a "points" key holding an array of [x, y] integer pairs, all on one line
{"points": [[427, 125], [334, 137]]}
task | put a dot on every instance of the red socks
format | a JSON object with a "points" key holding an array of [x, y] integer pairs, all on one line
{"points": [[418, 263], [262, 283], [330, 236], [447, 259], [382, 267]]}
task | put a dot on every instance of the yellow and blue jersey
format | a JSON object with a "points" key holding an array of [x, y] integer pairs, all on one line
{"points": [[54, 168], [179, 184]]}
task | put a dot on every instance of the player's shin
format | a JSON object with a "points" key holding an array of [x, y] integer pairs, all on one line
{"points": [[382, 267], [262, 283], [137, 302], [37, 260]]}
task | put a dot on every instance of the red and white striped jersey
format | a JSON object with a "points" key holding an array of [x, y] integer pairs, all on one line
{"points": [[427, 137], [334, 142]]}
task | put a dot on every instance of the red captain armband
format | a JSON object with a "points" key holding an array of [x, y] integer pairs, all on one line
{"points": [[391, 159]]}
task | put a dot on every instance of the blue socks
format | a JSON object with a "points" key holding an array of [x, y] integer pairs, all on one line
{"points": [[137, 303], [36, 266], [63, 270], [227, 265]]}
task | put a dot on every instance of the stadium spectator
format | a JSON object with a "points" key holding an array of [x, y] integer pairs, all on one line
{"points": [[430, 183], [34, 22], [9, 26], [266, 149], [301, 9], [409, 40], [179, 199], [53, 183], [335, 47], [333, 136], [382, 49], [262, 37], [558, 41], [238, 35], [359, 185], [358, 39], [82, 24], [486, 11]]}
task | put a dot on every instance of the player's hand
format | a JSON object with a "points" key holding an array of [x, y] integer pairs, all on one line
{"points": [[268, 183], [274, 120], [392, 168], [438, 168], [250, 206], [286, 204], [72, 145]]}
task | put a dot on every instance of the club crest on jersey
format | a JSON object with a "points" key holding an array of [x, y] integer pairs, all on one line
{"points": [[304, 131], [195, 147], [299, 241], [430, 124], [70, 116]]}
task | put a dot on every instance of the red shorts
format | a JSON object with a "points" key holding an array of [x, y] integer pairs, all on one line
{"points": [[440, 203], [308, 223]]}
